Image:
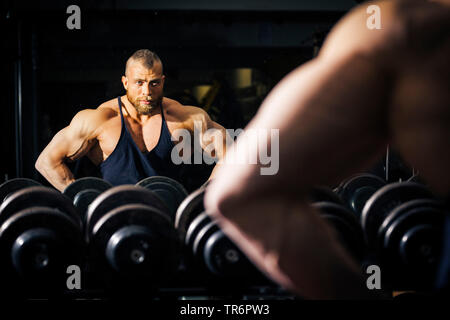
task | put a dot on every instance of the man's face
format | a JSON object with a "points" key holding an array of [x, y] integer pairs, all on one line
{"points": [[144, 86]]}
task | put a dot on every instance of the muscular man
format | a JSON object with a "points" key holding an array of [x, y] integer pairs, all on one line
{"points": [[130, 137], [335, 115]]}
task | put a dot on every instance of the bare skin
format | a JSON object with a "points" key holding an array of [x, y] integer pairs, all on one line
{"points": [[336, 114], [95, 132]]}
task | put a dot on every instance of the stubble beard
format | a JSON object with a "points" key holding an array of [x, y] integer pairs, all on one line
{"points": [[144, 108]]}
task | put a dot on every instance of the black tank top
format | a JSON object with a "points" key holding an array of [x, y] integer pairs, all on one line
{"points": [[127, 164]]}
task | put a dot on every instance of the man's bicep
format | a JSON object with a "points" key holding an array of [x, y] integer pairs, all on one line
{"points": [[72, 142], [63, 146]]}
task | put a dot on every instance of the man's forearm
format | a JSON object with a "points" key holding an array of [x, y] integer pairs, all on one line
{"points": [[58, 175]]}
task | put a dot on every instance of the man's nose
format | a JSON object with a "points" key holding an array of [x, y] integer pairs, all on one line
{"points": [[146, 90]]}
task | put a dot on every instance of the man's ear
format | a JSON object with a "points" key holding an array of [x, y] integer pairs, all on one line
{"points": [[163, 78], [125, 82]]}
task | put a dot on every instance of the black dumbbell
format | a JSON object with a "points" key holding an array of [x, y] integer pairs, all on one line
{"points": [[346, 226], [188, 209], [16, 184], [213, 250], [403, 225], [324, 194], [356, 190], [40, 235], [37, 196], [130, 229], [207, 246], [194, 227], [386, 199], [83, 191], [343, 221], [170, 191]]}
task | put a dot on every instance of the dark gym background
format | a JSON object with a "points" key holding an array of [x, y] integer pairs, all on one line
{"points": [[50, 72]]}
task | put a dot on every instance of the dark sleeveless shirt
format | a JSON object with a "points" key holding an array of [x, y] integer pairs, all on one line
{"points": [[127, 164]]}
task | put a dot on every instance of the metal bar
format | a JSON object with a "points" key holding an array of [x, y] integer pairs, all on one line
{"points": [[18, 102], [34, 99], [387, 164]]}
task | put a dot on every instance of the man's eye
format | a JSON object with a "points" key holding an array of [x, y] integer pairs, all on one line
{"points": [[139, 82], [155, 84]]}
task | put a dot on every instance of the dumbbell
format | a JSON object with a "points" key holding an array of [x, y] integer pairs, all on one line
{"points": [[207, 246], [83, 191], [129, 228], [324, 194], [356, 190], [403, 225], [211, 247], [169, 190], [40, 235], [13, 185], [343, 221]]}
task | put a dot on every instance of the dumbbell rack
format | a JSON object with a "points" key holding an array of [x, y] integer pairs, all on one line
{"points": [[158, 201]]}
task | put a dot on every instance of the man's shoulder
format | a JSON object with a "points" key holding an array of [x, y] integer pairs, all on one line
{"points": [[106, 110], [365, 29], [94, 117], [110, 105], [379, 27], [178, 111]]}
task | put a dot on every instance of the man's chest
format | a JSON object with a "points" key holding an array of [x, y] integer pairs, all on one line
{"points": [[145, 137]]}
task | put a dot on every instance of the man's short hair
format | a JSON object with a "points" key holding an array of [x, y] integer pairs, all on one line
{"points": [[144, 56]]}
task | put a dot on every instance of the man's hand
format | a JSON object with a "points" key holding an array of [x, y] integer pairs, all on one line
{"points": [[211, 137]]}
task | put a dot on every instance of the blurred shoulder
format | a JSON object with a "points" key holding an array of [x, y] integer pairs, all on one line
{"points": [[385, 27]]}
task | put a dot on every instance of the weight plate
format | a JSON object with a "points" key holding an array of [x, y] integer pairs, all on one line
{"points": [[321, 194], [82, 201], [191, 207], [350, 238], [202, 237], [38, 196], [382, 202], [337, 210], [150, 180], [358, 189], [135, 239], [86, 183], [420, 216], [40, 239], [195, 226], [401, 210], [13, 185], [412, 248], [223, 258], [118, 196], [347, 226], [170, 191]]}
